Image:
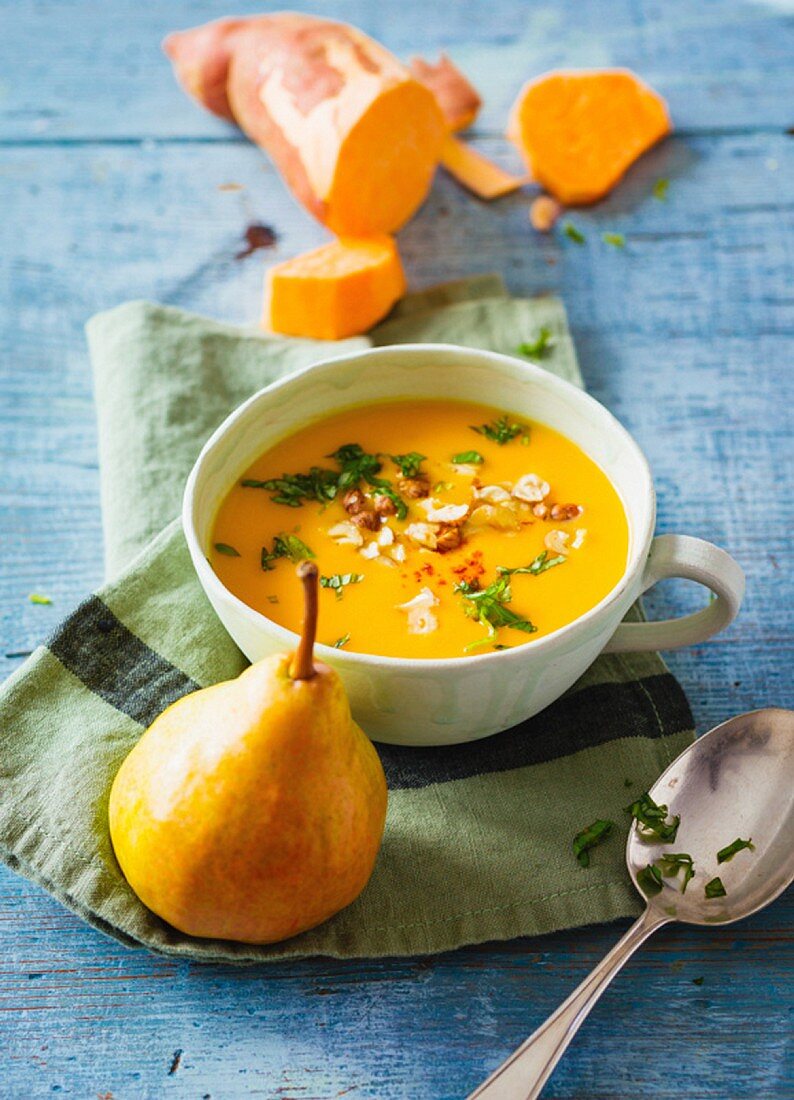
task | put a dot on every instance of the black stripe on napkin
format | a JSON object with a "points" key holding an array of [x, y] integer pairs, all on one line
{"points": [[116, 665], [652, 707]]}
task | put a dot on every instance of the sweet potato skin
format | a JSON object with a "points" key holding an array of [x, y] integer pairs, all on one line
{"points": [[580, 131], [302, 88], [457, 97]]}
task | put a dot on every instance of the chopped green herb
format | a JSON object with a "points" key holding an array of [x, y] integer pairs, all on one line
{"points": [[409, 464], [339, 581], [39, 598], [673, 862], [649, 880], [285, 546], [539, 565], [537, 348], [294, 489], [652, 820], [727, 853], [575, 234], [357, 466], [715, 889], [617, 240], [342, 641], [442, 486], [468, 458], [697, 981], [589, 837], [628, 782], [489, 607], [501, 431], [225, 549], [660, 189]]}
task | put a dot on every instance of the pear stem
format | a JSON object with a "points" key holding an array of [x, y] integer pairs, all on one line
{"points": [[302, 667]]}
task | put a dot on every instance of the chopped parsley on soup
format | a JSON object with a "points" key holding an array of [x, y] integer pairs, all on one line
{"points": [[440, 529]]}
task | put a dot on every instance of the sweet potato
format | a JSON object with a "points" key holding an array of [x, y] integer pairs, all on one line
{"points": [[457, 97], [340, 289], [354, 135], [580, 131], [480, 175]]}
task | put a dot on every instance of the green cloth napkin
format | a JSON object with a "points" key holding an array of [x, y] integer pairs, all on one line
{"points": [[478, 837]]}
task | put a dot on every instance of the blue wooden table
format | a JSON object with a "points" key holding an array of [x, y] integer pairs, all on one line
{"points": [[112, 187]]}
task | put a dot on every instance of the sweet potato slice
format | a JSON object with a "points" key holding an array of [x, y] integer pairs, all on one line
{"points": [[341, 289], [355, 136], [480, 175], [580, 131], [457, 97]]}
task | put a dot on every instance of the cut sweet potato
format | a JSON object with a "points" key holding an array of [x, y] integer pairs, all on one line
{"points": [[355, 136], [457, 97], [341, 289], [480, 175], [580, 131]]}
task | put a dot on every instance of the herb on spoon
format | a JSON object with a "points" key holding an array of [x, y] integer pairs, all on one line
{"points": [[715, 889], [652, 820], [649, 880], [729, 851], [673, 862]]}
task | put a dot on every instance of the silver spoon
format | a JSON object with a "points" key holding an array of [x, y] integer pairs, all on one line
{"points": [[735, 781]]}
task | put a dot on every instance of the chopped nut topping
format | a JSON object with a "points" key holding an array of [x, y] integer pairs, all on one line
{"points": [[501, 516], [386, 536], [384, 505], [449, 537], [414, 487], [398, 552], [579, 537], [556, 541], [355, 502], [346, 534], [445, 513], [422, 533], [540, 510], [368, 520], [531, 488], [421, 619], [371, 550], [494, 494], [566, 511]]}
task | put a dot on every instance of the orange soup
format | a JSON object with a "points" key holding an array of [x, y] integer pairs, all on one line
{"points": [[440, 529]]}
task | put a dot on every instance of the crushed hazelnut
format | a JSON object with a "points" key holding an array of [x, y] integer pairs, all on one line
{"points": [[494, 494], [579, 537], [540, 510], [531, 488], [368, 520], [386, 536], [384, 505], [448, 537], [371, 550], [444, 513], [565, 511], [346, 534], [355, 502], [556, 541], [422, 533], [414, 487]]}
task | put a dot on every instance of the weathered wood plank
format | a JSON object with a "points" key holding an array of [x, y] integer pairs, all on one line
{"points": [[722, 65]]}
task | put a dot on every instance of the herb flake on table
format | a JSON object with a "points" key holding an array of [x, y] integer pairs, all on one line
{"points": [[468, 458], [697, 981], [715, 889], [652, 820], [540, 346], [227, 550], [660, 189], [672, 862], [724, 855], [617, 240], [589, 837], [538, 565], [649, 880], [489, 607], [39, 598], [285, 546], [574, 234], [501, 430], [340, 581]]}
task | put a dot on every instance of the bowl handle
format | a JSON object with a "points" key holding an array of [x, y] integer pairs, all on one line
{"points": [[684, 556]]}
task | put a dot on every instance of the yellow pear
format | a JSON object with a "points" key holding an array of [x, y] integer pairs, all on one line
{"points": [[254, 809]]}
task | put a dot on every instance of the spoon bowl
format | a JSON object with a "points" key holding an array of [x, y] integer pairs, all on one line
{"points": [[737, 781]]}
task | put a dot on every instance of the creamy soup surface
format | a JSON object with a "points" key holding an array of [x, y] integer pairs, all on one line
{"points": [[433, 539]]}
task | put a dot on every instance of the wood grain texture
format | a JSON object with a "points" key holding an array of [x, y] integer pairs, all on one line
{"points": [[109, 181]]}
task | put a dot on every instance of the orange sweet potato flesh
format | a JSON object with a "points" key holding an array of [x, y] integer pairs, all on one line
{"points": [[580, 131], [354, 135], [457, 97], [341, 289], [478, 174]]}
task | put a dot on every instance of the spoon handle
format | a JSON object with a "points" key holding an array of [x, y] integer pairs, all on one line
{"points": [[526, 1071]]}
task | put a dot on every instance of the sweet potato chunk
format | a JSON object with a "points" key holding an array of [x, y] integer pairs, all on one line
{"points": [[480, 175], [354, 135], [580, 131], [341, 289]]}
